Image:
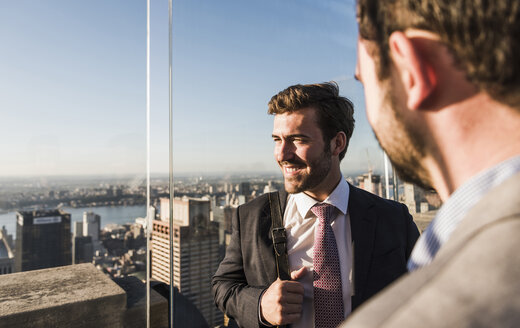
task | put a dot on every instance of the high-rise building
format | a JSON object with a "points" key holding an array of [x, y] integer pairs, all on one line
{"points": [[411, 197], [371, 183], [6, 252], [195, 253], [77, 229], [85, 239], [415, 198], [228, 216], [164, 208], [43, 240], [91, 225], [241, 199], [244, 188], [82, 249], [271, 186]]}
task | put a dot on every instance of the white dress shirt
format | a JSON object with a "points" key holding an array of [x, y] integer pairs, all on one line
{"points": [[300, 224]]}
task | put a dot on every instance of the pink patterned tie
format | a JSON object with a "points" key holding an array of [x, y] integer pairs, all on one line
{"points": [[328, 295]]}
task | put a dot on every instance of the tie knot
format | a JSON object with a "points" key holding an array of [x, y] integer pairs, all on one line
{"points": [[324, 212]]}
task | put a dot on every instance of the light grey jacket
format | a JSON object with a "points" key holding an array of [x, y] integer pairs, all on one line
{"points": [[474, 281]]}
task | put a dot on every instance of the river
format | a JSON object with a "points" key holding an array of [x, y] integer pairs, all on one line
{"points": [[109, 214]]}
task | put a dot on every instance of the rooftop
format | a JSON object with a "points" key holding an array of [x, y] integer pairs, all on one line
{"points": [[75, 296], [82, 296]]}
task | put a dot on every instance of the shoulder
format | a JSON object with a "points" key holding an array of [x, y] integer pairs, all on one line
{"points": [[474, 263], [262, 202], [389, 212], [499, 205], [255, 208], [454, 274], [413, 301], [256, 203], [360, 195]]}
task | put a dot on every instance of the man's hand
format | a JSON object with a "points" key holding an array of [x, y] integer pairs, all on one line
{"points": [[281, 304]]}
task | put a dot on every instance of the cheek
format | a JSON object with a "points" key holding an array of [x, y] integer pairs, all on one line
{"points": [[374, 98], [309, 154], [298, 153], [372, 88], [374, 103]]}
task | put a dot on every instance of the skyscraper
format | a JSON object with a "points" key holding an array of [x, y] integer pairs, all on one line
{"points": [[86, 238], [196, 253], [411, 197], [6, 252], [82, 249], [43, 240], [371, 183], [91, 225]]}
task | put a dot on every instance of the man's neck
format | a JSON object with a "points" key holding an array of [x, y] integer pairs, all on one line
{"points": [[326, 187], [474, 136]]}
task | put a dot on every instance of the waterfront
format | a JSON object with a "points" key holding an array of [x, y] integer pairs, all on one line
{"points": [[109, 214]]}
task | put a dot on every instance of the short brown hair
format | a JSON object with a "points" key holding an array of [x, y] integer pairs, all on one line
{"points": [[335, 113], [483, 37]]}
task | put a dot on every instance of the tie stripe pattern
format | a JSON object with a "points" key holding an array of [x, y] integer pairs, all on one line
{"points": [[328, 296]]}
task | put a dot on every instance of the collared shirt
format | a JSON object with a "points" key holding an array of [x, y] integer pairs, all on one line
{"points": [[455, 209], [300, 224]]}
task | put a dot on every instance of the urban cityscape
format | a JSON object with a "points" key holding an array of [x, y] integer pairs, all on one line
{"points": [[107, 225], [137, 157], [77, 109]]}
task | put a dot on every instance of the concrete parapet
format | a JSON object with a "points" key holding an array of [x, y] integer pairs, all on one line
{"points": [[70, 296]]}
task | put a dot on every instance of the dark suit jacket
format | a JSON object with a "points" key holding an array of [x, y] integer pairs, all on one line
{"points": [[383, 235]]}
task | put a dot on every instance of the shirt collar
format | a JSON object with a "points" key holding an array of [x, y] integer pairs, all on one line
{"points": [[338, 198]]}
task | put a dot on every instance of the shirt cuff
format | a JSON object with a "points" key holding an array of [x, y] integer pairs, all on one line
{"points": [[260, 318]]}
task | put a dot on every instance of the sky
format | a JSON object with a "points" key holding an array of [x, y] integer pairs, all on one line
{"points": [[72, 83]]}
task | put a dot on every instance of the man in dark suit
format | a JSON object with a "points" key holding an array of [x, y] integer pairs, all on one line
{"points": [[343, 244]]}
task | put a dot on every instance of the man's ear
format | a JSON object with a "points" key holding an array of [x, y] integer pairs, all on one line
{"points": [[338, 143], [416, 73]]}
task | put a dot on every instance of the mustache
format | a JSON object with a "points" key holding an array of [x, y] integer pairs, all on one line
{"points": [[292, 162]]}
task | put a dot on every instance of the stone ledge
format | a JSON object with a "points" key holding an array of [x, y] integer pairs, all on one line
{"points": [[69, 296]]}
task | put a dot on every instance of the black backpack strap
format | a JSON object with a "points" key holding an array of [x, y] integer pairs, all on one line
{"points": [[279, 237]]}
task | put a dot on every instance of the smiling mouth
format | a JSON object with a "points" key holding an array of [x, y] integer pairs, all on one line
{"points": [[291, 168]]}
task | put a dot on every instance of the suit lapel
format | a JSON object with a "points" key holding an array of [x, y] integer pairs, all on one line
{"points": [[283, 200], [362, 224]]}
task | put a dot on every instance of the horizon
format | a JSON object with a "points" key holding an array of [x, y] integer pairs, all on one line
{"points": [[165, 175], [77, 108]]}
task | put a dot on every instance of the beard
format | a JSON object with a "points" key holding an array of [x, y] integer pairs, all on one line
{"points": [[402, 142], [319, 169]]}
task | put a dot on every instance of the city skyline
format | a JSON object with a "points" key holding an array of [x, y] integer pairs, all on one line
{"points": [[73, 84]]}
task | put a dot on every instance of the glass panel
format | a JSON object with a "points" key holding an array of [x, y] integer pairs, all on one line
{"points": [[229, 58], [72, 98]]}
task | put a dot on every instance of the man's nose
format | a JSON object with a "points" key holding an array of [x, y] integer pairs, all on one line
{"points": [[284, 151]]}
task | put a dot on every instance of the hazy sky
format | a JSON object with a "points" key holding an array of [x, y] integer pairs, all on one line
{"points": [[72, 82]]}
